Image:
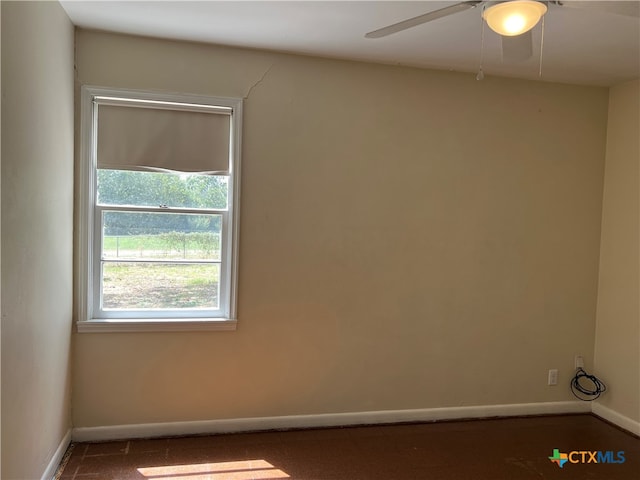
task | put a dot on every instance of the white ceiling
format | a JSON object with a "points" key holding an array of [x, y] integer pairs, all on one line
{"points": [[585, 42]]}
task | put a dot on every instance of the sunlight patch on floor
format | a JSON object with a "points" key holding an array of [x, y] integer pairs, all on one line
{"points": [[241, 470]]}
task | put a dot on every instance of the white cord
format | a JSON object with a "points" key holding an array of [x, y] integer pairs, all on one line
{"points": [[541, 47], [480, 75]]}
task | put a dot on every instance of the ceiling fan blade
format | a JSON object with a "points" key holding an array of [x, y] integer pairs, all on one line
{"points": [[626, 8], [518, 48], [419, 20]]}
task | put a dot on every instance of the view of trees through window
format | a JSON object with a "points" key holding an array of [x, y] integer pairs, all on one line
{"points": [[155, 259], [151, 189]]}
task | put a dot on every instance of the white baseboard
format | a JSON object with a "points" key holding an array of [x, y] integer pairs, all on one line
{"points": [[618, 419], [149, 430], [51, 469]]}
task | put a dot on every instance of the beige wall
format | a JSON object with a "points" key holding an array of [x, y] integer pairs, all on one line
{"points": [[0, 239], [617, 349], [409, 239], [37, 227]]}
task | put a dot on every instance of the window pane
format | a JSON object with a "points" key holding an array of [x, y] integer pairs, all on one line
{"points": [[151, 189], [160, 236], [159, 286]]}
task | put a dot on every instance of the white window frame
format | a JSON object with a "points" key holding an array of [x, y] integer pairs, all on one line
{"points": [[89, 234]]}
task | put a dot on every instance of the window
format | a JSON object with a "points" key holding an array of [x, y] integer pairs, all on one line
{"points": [[158, 211]]}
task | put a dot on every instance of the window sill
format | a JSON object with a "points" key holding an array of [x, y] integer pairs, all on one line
{"points": [[155, 325]]}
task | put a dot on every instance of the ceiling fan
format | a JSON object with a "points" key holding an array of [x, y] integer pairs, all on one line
{"points": [[513, 20]]}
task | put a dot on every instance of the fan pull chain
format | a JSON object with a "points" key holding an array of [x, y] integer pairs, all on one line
{"points": [[480, 75], [541, 47]]}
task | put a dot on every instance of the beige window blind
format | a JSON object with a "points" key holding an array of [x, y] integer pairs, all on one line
{"points": [[142, 138]]}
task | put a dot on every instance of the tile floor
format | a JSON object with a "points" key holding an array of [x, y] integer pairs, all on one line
{"points": [[509, 449]]}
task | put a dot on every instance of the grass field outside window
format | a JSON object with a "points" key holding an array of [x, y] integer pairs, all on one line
{"points": [[140, 285]]}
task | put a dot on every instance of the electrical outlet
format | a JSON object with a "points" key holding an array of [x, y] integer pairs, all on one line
{"points": [[579, 362], [553, 376]]}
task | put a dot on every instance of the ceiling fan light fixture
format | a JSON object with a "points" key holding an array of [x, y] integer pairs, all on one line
{"points": [[514, 18]]}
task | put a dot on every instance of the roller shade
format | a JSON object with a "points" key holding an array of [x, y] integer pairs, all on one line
{"points": [[141, 138]]}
